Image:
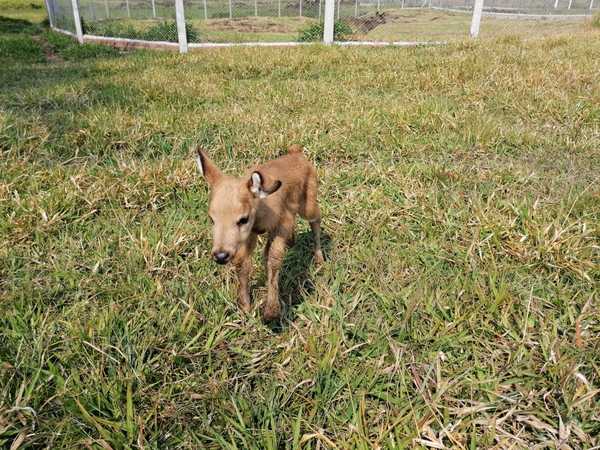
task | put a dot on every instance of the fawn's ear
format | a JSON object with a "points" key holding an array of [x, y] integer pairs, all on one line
{"points": [[256, 184], [207, 168]]}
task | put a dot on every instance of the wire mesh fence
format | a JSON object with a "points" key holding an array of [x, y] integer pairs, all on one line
{"points": [[537, 18], [448, 20], [401, 21], [527, 7], [206, 21], [148, 20], [293, 21], [60, 13], [221, 21]]}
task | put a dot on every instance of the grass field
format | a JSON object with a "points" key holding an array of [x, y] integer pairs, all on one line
{"points": [[458, 305]]}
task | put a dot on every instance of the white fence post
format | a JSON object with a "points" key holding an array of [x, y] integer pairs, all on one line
{"points": [[50, 13], [128, 10], [205, 11], [181, 34], [255, 8], [153, 9], [278, 8], [555, 4], [356, 8], [591, 4], [77, 18], [300, 8], [476, 20], [230, 10], [106, 9], [570, 3], [329, 19]]}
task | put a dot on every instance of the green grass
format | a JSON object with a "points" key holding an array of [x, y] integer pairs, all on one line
{"points": [[31, 10], [459, 301]]}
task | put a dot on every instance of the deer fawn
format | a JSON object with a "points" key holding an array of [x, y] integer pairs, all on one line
{"points": [[265, 200]]}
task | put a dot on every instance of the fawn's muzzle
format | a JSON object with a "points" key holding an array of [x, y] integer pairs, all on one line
{"points": [[221, 257]]}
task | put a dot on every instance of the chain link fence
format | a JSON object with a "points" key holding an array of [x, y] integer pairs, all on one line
{"points": [[235, 21], [412, 21], [420, 21], [264, 22], [447, 20], [523, 18], [146, 20], [60, 13], [529, 7]]}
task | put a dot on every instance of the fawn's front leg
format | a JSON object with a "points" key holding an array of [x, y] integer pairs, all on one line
{"points": [[243, 272], [243, 265], [276, 253]]}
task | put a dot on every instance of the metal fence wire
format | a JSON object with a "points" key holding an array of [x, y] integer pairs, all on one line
{"points": [[536, 7], [217, 22], [60, 13], [147, 20], [401, 20], [222, 21], [534, 17]]}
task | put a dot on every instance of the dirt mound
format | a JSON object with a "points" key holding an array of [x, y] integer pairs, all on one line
{"points": [[256, 25]]}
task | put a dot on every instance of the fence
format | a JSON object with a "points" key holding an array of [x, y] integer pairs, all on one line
{"points": [[187, 24]]}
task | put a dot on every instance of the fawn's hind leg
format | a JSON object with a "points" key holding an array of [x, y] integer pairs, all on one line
{"points": [[315, 226], [312, 213], [271, 309]]}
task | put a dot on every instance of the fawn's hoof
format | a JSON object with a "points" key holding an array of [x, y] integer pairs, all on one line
{"points": [[244, 306], [271, 312], [319, 258]]}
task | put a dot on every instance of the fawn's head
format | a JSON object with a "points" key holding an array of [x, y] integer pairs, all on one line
{"points": [[232, 206]]}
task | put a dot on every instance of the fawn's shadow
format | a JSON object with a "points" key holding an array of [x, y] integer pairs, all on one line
{"points": [[295, 281]]}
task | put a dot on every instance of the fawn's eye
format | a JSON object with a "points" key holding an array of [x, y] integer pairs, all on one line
{"points": [[242, 221]]}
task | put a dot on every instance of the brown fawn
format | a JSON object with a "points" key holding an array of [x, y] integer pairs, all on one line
{"points": [[265, 200]]}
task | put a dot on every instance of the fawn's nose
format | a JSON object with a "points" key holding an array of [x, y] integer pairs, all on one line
{"points": [[221, 257]]}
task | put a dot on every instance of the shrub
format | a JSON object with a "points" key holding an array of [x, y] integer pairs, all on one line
{"points": [[111, 28], [162, 31], [68, 48], [313, 33], [219, 15]]}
